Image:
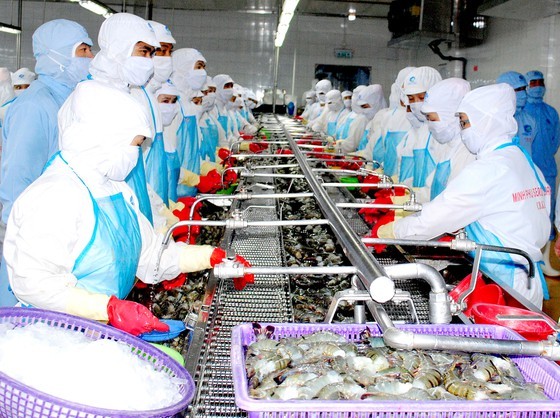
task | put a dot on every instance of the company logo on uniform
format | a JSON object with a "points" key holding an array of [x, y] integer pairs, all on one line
{"points": [[412, 79], [528, 128]]}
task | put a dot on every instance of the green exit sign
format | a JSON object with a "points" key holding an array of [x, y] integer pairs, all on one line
{"points": [[343, 53]]}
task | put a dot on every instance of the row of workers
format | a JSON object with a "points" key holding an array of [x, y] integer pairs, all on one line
{"points": [[79, 195], [482, 160]]}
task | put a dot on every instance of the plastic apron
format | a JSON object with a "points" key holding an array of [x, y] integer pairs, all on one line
{"points": [[109, 261], [188, 149], [137, 182], [343, 130], [209, 143], [223, 119], [245, 114], [173, 173], [156, 161], [424, 164], [331, 126], [390, 142], [364, 141], [441, 177], [378, 150], [500, 266]]}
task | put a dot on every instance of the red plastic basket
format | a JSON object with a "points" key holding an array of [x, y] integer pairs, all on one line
{"points": [[482, 293], [535, 328]]}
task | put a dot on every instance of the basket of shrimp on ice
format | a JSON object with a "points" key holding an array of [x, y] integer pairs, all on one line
{"points": [[345, 370], [58, 365]]}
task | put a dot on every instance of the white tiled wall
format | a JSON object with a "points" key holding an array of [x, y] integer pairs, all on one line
{"points": [[241, 45]]}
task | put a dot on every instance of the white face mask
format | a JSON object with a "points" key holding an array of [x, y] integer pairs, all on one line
{"points": [[122, 161], [415, 110], [76, 71], [196, 79], [471, 140], [168, 112], [368, 112], [163, 67], [18, 92], [136, 71], [322, 96], [225, 94], [308, 101], [444, 132], [233, 105], [208, 101], [413, 120]]}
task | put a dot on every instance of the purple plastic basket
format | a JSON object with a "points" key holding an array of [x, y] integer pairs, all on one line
{"points": [[534, 369], [21, 401]]}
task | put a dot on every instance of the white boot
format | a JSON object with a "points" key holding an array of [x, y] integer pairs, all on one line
{"points": [[547, 269]]}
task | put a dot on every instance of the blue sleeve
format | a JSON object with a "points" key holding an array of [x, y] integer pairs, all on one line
{"points": [[29, 135]]}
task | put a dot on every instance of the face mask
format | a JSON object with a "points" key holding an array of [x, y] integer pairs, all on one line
{"points": [[368, 112], [443, 132], [471, 140], [251, 105], [321, 96], [521, 99], [225, 94], [536, 92], [333, 106], [233, 105], [196, 79], [137, 70], [78, 69], [413, 120], [415, 110], [18, 92], [163, 67], [208, 101], [348, 103], [308, 101], [168, 112], [122, 161]]}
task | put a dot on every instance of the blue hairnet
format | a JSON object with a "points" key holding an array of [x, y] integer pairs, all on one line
{"points": [[513, 78], [534, 75], [60, 36]]}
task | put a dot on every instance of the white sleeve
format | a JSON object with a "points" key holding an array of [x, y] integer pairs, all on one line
{"points": [[355, 134]]}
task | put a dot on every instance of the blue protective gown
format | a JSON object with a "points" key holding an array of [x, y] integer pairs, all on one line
{"points": [[188, 150]]}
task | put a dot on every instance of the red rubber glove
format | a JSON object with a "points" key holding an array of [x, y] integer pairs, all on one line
{"points": [[370, 178], [239, 283], [371, 215], [257, 147], [132, 317], [247, 136], [210, 183], [223, 153], [397, 191], [230, 177], [383, 220], [178, 281], [284, 151], [181, 233]]}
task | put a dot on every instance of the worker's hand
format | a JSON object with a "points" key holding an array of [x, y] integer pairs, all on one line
{"points": [[170, 218], [257, 147], [173, 206], [383, 228], [210, 183], [219, 255], [400, 200], [188, 178], [371, 215], [132, 317], [285, 151], [181, 233], [178, 281], [230, 177], [369, 179], [207, 166], [223, 154]]}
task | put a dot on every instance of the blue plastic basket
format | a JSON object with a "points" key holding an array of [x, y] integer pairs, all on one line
{"points": [[533, 369], [21, 401]]}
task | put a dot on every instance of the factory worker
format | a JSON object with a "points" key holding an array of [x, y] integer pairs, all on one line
{"points": [[545, 145], [370, 102], [189, 75], [347, 99], [346, 121], [224, 94], [208, 128], [62, 49], [326, 123], [526, 124], [6, 93], [22, 79], [239, 112], [211, 113], [251, 102], [127, 43], [418, 150], [76, 237], [501, 198], [309, 98], [440, 104], [321, 89], [162, 61], [396, 126]]}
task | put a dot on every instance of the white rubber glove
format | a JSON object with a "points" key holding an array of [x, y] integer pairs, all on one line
{"points": [[173, 206], [195, 257], [188, 178], [87, 304], [386, 231], [207, 166]]}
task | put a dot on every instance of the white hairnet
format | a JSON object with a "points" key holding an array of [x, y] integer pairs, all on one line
{"points": [[6, 89], [323, 86], [355, 93], [490, 111], [210, 82], [183, 62], [117, 37], [162, 32], [23, 76], [444, 97], [346, 93], [420, 80], [221, 80], [372, 95], [167, 88], [96, 120], [397, 94]]}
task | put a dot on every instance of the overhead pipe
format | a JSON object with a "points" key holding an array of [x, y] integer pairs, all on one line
{"points": [[434, 46]]}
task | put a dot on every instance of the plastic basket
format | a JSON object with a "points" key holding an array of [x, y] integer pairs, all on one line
{"points": [[534, 369], [20, 401]]}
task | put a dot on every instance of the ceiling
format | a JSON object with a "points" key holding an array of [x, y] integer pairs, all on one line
{"points": [[365, 9]]}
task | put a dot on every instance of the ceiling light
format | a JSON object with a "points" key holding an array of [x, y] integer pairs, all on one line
{"points": [[96, 7], [351, 13], [4, 27], [288, 10]]}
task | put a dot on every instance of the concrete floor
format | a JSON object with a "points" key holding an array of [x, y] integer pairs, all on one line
{"points": [[552, 307]]}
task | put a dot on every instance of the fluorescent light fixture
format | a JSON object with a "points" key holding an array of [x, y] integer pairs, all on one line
{"points": [[96, 7], [288, 11], [351, 13], [4, 27]]}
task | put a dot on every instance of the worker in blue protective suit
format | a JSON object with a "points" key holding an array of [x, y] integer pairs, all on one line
{"points": [[440, 104], [208, 126], [370, 102], [127, 43], [501, 198], [62, 49], [395, 127], [418, 150], [343, 128], [76, 238], [327, 122], [211, 111], [321, 89], [224, 94], [545, 145], [526, 124]]}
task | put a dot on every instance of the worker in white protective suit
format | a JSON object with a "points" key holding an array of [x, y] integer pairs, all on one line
{"points": [[321, 89], [127, 43], [309, 98], [370, 101], [440, 104], [212, 132], [251, 102], [418, 150], [239, 112], [500, 199], [327, 122], [20, 81], [347, 99], [343, 128], [6, 93], [395, 127], [76, 237], [224, 94]]}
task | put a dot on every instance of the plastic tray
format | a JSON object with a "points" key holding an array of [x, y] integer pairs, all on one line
{"points": [[176, 327], [21, 401], [534, 369]]}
